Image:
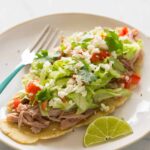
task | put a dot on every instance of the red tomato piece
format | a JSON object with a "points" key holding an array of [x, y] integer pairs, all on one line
{"points": [[127, 84], [133, 79], [97, 57], [32, 88], [16, 102], [124, 31], [104, 54], [44, 105]]}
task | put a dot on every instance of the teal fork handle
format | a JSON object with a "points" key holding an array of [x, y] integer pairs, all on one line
{"points": [[5, 82]]}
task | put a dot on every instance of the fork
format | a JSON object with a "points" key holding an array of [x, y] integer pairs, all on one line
{"points": [[46, 40]]}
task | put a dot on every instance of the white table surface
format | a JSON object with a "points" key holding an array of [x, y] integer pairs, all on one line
{"points": [[134, 12]]}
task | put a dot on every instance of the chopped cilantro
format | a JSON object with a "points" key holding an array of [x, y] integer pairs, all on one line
{"points": [[42, 54], [73, 45], [62, 46], [43, 95], [113, 42], [87, 39], [83, 44]]}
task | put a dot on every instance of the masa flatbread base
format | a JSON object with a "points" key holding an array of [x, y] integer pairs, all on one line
{"points": [[25, 136]]}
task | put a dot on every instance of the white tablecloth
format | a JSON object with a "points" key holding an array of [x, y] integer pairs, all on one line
{"points": [[134, 12]]}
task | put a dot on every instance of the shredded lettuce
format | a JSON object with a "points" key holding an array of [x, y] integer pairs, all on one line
{"points": [[58, 103], [81, 103], [103, 94], [42, 54], [117, 65], [71, 75], [62, 82], [83, 44], [130, 50], [100, 83]]}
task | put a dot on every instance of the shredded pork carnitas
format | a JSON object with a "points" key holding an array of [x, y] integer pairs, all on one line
{"points": [[31, 116]]}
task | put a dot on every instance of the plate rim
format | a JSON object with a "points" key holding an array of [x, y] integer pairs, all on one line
{"points": [[67, 13], [70, 13]]}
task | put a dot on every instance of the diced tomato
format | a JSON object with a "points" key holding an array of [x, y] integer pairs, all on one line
{"points": [[97, 57], [31, 97], [44, 105], [133, 79], [104, 54], [124, 31], [32, 88], [127, 84], [16, 102]]}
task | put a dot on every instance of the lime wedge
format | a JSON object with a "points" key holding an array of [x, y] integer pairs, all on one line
{"points": [[105, 128]]}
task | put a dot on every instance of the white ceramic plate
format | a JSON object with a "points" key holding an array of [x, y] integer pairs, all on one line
{"points": [[136, 111]]}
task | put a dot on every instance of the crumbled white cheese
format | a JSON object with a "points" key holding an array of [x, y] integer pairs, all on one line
{"points": [[67, 49], [61, 94], [87, 35], [81, 90], [73, 85], [122, 38], [87, 56], [47, 85], [78, 48], [53, 102], [79, 65], [104, 107], [69, 89], [90, 47], [111, 63], [96, 30], [96, 50], [127, 78], [78, 78], [77, 55], [103, 45], [71, 81], [93, 67], [47, 64], [77, 36], [71, 102], [113, 53], [56, 99], [107, 67], [97, 41]]}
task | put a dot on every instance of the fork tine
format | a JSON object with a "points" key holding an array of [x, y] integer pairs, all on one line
{"points": [[41, 44], [44, 31], [52, 40], [57, 41]]}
